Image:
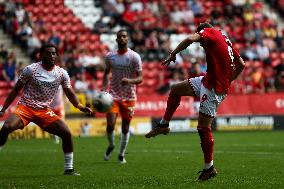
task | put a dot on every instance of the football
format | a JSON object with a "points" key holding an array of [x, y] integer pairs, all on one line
{"points": [[102, 102]]}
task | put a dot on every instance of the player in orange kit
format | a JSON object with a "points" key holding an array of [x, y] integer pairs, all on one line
{"points": [[125, 65], [40, 82]]}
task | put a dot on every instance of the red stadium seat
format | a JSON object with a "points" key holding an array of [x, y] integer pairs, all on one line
{"points": [[92, 47], [151, 65], [99, 83], [257, 64], [58, 2], [67, 11], [151, 73], [140, 90], [54, 20], [94, 38], [4, 92], [274, 55], [275, 62], [6, 85], [63, 28], [150, 82], [100, 75], [62, 36]]}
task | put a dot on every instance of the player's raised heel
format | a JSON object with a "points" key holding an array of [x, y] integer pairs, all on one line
{"points": [[71, 172], [206, 174]]}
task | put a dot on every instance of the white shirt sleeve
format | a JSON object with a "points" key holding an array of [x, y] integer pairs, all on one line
{"points": [[65, 82], [26, 75], [137, 62]]}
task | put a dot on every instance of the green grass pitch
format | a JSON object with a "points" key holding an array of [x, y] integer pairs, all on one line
{"points": [[243, 159]]}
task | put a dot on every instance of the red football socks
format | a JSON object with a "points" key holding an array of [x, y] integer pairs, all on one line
{"points": [[207, 142], [172, 104]]}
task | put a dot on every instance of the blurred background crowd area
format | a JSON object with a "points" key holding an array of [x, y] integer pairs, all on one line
{"points": [[84, 31]]}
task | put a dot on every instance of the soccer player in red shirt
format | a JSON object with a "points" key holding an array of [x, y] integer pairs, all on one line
{"points": [[224, 64]]}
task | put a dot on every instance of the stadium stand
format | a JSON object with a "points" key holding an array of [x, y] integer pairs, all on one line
{"points": [[84, 32]]}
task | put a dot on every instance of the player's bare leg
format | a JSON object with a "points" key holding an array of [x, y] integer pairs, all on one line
{"points": [[60, 129], [207, 143], [111, 120], [13, 123], [177, 91]]}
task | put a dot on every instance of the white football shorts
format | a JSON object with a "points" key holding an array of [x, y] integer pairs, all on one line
{"points": [[209, 99]]}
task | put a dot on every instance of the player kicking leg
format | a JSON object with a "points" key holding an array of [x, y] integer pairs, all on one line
{"points": [[177, 91], [224, 66], [193, 87]]}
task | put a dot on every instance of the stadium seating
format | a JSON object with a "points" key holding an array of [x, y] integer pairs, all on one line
{"points": [[56, 16], [5, 88], [76, 19]]}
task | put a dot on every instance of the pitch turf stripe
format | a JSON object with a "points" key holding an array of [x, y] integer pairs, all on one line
{"points": [[141, 151], [217, 151], [253, 153], [253, 145]]}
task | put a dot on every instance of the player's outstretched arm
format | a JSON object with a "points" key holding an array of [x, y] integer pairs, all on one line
{"points": [[75, 102], [183, 45], [12, 95], [239, 66]]}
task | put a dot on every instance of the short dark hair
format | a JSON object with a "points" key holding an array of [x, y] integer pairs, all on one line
{"points": [[45, 46], [203, 25], [122, 30]]}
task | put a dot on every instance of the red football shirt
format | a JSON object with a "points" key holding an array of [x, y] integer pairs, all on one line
{"points": [[220, 57]]}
